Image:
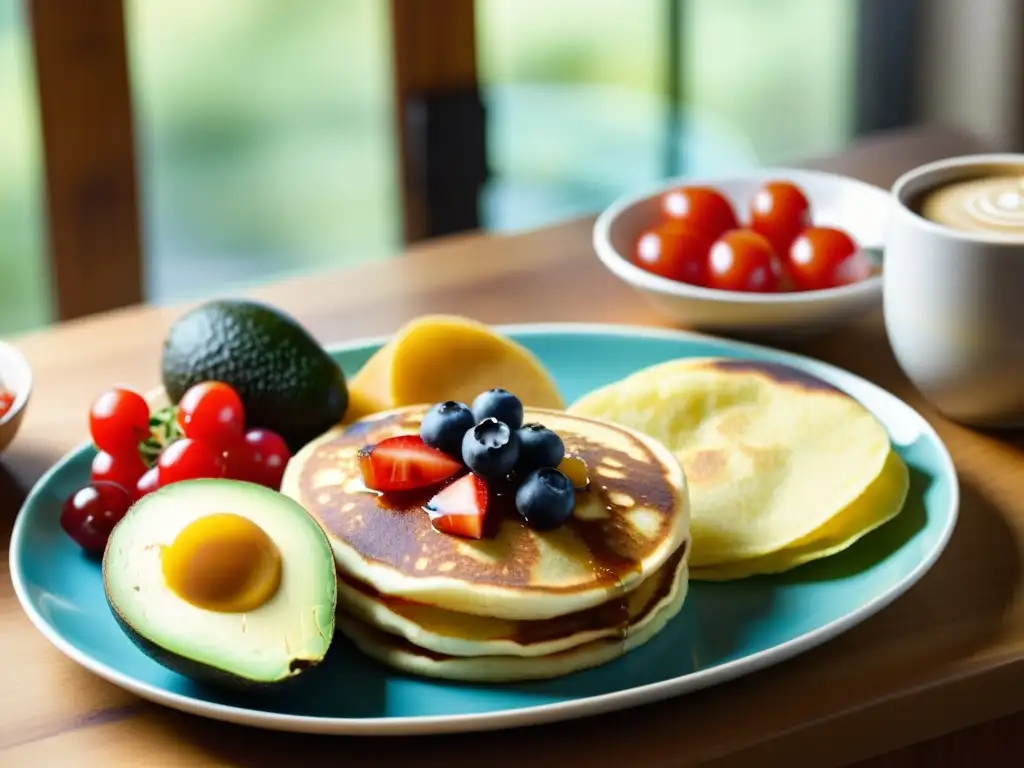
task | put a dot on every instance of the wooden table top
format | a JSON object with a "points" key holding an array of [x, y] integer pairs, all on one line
{"points": [[944, 656]]}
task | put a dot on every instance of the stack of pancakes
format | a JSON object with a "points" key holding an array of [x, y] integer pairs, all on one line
{"points": [[782, 467], [519, 603]]}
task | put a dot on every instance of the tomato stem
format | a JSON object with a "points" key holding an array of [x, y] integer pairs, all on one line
{"points": [[163, 430]]}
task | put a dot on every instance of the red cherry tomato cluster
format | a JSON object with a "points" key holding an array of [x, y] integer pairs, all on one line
{"points": [[699, 240], [213, 443], [6, 401]]}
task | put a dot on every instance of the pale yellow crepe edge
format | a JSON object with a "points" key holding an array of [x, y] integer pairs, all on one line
{"points": [[888, 491]]}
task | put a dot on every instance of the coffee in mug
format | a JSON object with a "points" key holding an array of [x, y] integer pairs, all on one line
{"points": [[992, 202], [953, 285]]}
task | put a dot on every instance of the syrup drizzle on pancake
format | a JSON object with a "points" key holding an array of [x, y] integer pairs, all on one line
{"points": [[394, 530], [621, 535]]}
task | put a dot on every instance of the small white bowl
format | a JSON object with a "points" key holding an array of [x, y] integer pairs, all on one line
{"points": [[859, 208], [16, 376]]}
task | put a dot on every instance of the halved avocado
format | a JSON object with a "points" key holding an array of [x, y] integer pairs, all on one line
{"points": [[223, 581]]}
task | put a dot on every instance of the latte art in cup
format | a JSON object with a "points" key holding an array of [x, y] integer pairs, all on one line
{"points": [[990, 204]]}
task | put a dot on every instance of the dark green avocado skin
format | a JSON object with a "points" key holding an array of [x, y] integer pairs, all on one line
{"points": [[287, 382], [205, 674]]}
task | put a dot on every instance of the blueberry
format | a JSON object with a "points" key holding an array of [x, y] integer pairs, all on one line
{"points": [[539, 447], [444, 426], [545, 499], [490, 449], [499, 404]]}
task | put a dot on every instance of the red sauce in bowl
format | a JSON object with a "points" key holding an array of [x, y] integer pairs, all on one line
{"points": [[6, 401]]}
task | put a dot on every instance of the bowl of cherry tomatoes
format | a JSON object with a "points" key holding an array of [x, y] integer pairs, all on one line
{"points": [[775, 252], [15, 387]]}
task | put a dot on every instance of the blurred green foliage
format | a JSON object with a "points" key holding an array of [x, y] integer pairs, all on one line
{"points": [[24, 300], [265, 135]]}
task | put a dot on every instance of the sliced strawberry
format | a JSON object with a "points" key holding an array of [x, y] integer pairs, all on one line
{"points": [[404, 463], [459, 509]]}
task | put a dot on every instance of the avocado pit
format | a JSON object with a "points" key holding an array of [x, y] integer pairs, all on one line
{"points": [[223, 562]]}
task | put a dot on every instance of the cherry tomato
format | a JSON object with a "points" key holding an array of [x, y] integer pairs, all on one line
{"points": [[124, 471], [148, 483], [188, 459], [119, 421], [90, 514], [825, 257], [743, 260], [779, 211], [674, 250], [702, 208], [260, 457], [212, 412], [6, 401]]}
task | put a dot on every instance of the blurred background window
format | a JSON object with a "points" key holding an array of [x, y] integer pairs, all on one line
{"points": [[578, 94], [24, 285], [266, 140]]}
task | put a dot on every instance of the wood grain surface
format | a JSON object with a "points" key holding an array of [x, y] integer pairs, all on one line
{"points": [[945, 656]]}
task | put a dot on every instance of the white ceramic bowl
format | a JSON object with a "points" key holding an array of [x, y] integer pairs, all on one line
{"points": [[859, 208], [16, 376]]}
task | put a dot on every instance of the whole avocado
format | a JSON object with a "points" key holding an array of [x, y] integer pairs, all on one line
{"points": [[286, 380]]}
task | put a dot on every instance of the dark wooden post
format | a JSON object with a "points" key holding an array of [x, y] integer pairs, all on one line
{"points": [[95, 247], [440, 116]]}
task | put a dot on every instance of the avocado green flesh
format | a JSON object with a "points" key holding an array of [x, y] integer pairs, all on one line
{"points": [[286, 381], [281, 638]]}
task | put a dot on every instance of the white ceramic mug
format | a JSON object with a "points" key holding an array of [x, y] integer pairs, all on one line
{"points": [[954, 300]]}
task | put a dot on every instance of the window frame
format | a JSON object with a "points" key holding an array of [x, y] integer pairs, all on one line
{"points": [[888, 53]]}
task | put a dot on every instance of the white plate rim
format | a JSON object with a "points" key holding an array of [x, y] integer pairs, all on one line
{"points": [[541, 713]]}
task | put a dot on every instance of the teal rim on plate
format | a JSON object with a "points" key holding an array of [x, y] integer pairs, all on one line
{"points": [[725, 630]]}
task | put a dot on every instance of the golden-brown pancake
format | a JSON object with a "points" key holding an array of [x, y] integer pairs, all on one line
{"points": [[625, 526], [462, 634], [399, 653]]}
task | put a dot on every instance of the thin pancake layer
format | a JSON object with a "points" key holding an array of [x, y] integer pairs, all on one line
{"points": [[770, 453], [403, 655], [462, 634], [625, 526], [880, 503]]}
